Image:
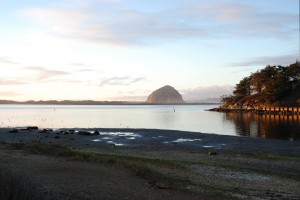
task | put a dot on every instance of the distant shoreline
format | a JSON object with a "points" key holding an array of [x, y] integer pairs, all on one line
{"points": [[91, 102]]}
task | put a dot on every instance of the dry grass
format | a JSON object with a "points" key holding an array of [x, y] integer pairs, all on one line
{"points": [[16, 186]]}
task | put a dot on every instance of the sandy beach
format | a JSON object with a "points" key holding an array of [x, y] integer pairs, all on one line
{"points": [[210, 166]]}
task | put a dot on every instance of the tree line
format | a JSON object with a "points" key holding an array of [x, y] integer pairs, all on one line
{"points": [[265, 86]]}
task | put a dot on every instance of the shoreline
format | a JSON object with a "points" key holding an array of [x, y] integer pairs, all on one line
{"points": [[129, 138], [95, 103], [281, 111]]}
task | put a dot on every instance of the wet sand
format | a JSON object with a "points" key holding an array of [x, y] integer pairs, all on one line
{"points": [[150, 139]]}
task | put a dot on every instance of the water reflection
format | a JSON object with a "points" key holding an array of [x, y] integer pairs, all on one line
{"points": [[266, 126]]}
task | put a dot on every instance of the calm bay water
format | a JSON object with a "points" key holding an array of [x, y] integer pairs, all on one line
{"points": [[185, 117]]}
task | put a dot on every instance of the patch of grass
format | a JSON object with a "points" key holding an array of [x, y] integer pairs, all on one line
{"points": [[147, 168], [53, 150], [160, 173], [14, 186], [244, 168], [271, 156]]}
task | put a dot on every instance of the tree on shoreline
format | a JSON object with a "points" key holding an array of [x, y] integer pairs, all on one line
{"points": [[265, 86]]}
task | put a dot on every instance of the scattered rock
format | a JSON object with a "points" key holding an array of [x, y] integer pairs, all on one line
{"points": [[66, 132], [14, 131], [156, 185], [71, 131], [45, 130], [32, 128], [212, 153], [84, 133], [96, 132], [113, 146]]}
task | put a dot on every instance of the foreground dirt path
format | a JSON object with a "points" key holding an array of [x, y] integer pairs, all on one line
{"points": [[57, 178]]}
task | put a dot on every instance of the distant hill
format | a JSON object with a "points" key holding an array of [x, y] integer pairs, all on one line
{"points": [[65, 102], [165, 95]]}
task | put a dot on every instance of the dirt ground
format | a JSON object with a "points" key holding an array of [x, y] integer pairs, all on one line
{"points": [[58, 178]]}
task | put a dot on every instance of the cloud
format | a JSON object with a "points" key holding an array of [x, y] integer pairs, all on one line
{"points": [[132, 95], [202, 93], [8, 94], [58, 20], [128, 98], [34, 74], [85, 70], [10, 82], [42, 73], [124, 80], [4, 60], [115, 24], [266, 60], [78, 64], [240, 20]]}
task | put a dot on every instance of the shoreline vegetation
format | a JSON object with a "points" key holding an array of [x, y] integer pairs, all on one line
{"points": [[272, 90], [81, 164]]}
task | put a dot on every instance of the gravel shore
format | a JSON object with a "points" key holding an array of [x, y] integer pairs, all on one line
{"points": [[149, 138]]}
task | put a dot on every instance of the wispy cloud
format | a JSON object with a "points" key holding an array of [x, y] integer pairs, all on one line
{"points": [[132, 95], [10, 82], [200, 93], [266, 60], [78, 64], [4, 60], [124, 80], [139, 98], [201, 20], [8, 94], [240, 20], [41, 73], [85, 70]]}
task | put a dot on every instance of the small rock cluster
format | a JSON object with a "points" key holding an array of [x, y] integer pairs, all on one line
{"points": [[61, 132]]}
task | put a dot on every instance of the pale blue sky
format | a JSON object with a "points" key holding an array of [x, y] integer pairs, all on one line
{"points": [[124, 49]]}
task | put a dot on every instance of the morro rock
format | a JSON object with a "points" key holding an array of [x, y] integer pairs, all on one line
{"points": [[165, 95]]}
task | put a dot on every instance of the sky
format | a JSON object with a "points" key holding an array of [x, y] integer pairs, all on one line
{"points": [[125, 49]]}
